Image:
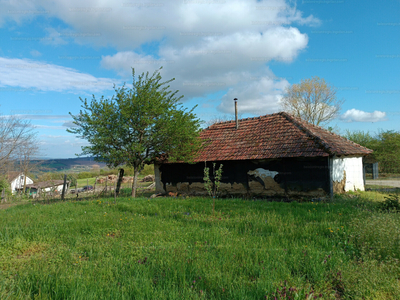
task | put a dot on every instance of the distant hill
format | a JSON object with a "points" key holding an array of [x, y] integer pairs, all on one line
{"points": [[78, 164]]}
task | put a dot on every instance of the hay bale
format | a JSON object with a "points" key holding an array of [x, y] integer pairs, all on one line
{"points": [[149, 178]]}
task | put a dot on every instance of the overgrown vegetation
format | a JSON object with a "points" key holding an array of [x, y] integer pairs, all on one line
{"points": [[175, 248]]}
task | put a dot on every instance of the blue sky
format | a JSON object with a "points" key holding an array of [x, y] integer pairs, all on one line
{"points": [[51, 54]]}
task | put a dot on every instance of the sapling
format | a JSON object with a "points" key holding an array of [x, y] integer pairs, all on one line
{"points": [[212, 187]]}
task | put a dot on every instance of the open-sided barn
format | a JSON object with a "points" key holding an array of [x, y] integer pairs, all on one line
{"points": [[271, 155]]}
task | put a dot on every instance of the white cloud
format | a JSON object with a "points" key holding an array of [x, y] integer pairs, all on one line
{"points": [[128, 24], [42, 117], [30, 74], [219, 63], [71, 145], [69, 124], [260, 97], [35, 53], [208, 46], [49, 127], [355, 115]]}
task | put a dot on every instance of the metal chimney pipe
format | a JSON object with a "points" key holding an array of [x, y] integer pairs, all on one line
{"points": [[236, 113]]}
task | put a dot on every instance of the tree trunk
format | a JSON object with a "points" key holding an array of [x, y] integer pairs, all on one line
{"points": [[134, 183], [121, 175], [24, 183]]}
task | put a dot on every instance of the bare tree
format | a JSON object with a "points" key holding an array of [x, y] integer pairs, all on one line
{"points": [[15, 133], [27, 152], [313, 100], [220, 118]]}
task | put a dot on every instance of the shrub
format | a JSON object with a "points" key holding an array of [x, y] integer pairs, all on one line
{"points": [[4, 185], [391, 204]]}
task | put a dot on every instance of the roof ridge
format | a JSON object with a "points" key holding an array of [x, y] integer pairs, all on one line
{"points": [[245, 119], [298, 122], [319, 138]]}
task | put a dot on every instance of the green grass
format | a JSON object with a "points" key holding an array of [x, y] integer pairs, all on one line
{"points": [[91, 181], [374, 186], [86, 181], [174, 248]]}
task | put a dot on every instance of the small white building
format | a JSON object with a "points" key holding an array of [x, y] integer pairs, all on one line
{"points": [[52, 186], [17, 179]]}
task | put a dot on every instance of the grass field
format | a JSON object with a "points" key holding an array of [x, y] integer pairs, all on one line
{"points": [[175, 248], [127, 185]]}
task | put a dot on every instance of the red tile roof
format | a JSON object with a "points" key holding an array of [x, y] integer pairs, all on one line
{"points": [[277, 135]]}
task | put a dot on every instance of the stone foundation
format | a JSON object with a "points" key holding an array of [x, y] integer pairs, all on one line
{"points": [[339, 186]]}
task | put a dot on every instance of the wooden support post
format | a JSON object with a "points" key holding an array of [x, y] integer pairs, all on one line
{"points": [[330, 167], [63, 190]]}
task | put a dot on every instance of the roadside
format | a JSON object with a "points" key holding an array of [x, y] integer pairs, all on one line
{"points": [[390, 182], [7, 205]]}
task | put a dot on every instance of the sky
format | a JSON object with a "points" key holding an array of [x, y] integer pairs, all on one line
{"points": [[54, 53]]}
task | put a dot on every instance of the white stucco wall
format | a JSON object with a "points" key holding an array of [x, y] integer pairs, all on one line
{"points": [[354, 172], [18, 182], [55, 188]]}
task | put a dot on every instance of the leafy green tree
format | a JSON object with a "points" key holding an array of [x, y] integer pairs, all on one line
{"points": [[387, 151], [362, 138], [313, 100], [386, 146], [139, 125]]}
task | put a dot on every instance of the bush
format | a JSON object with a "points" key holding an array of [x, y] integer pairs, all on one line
{"points": [[391, 204], [4, 185]]}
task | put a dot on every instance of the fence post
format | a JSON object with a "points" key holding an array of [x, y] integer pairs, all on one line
{"points": [[63, 190], [115, 192], [375, 172], [106, 185]]}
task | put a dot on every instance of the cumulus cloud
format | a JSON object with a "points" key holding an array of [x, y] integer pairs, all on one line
{"points": [[260, 97], [207, 46], [29, 74], [355, 115], [129, 24], [221, 63]]}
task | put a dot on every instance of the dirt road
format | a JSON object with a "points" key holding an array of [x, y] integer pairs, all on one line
{"points": [[393, 183]]}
